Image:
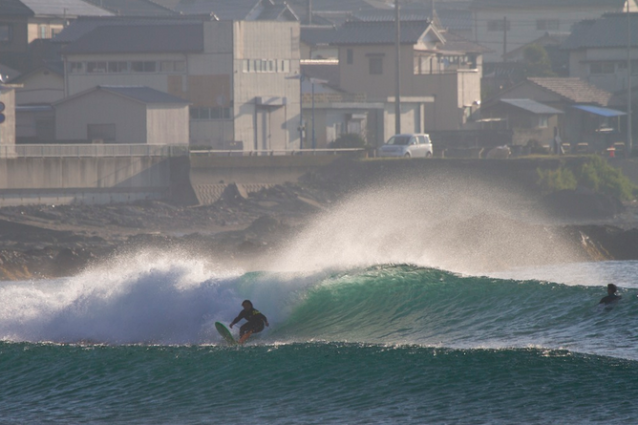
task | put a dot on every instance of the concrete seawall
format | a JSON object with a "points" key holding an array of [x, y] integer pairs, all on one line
{"points": [[124, 179], [98, 180], [202, 179]]}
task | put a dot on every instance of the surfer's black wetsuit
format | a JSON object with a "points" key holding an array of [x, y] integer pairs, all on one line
{"points": [[610, 299], [255, 321]]}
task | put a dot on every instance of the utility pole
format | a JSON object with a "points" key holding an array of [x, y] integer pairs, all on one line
{"points": [[504, 38], [397, 70], [630, 138]]}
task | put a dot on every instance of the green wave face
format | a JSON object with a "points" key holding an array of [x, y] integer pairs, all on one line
{"points": [[411, 305]]}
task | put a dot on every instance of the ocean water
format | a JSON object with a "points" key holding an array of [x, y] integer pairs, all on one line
{"points": [[385, 344], [377, 317]]}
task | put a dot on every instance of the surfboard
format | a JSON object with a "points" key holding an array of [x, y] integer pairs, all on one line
{"points": [[225, 333]]}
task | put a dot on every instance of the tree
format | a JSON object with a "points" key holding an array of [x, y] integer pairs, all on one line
{"points": [[537, 63]]}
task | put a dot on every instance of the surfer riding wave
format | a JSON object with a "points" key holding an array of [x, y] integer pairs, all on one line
{"points": [[255, 321]]}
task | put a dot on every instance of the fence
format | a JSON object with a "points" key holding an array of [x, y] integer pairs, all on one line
{"points": [[235, 152], [83, 151], [121, 150]]}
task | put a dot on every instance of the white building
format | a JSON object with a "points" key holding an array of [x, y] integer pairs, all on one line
{"points": [[236, 74], [122, 114]]}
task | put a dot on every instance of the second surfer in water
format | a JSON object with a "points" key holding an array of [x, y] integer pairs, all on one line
{"points": [[255, 321], [612, 296]]}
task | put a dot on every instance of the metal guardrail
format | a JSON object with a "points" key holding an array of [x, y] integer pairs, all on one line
{"points": [[91, 150], [274, 152]]}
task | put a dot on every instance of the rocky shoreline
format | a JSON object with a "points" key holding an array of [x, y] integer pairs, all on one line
{"points": [[48, 241]]}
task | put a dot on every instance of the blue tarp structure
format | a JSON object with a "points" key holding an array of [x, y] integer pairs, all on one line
{"points": [[597, 110]]}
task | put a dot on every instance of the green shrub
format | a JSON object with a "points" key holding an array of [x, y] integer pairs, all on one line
{"points": [[348, 141], [596, 174], [555, 180], [599, 176]]}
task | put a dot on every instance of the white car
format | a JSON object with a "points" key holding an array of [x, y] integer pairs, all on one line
{"points": [[407, 145]]}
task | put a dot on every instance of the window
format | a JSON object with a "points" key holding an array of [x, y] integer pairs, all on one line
{"points": [[76, 67], [6, 33], [204, 113], [375, 65], [103, 132], [547, 24], [602, 68], [349, 56], [116, 67], [265, 65], [43, 31], [498, 25], [167, 66], [540, 121], [96, 67], [146, 66], [180, 66]]}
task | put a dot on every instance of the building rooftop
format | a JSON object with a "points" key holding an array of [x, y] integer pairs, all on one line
{"points": [[608, 31], [532, 106], [140, 94], [358, 32], [574, 89], [84, 25], [188, 37], [452, 19], [237, 10], [318, 35], [70, 8], [14, 8], [144, 94], [610, 5], [133, 7]]}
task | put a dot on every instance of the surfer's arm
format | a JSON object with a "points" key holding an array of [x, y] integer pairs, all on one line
{"points": [[237, 319], [262, 317]]}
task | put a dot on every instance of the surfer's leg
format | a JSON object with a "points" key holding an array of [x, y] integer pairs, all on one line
{"points": [[244, 337]]}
